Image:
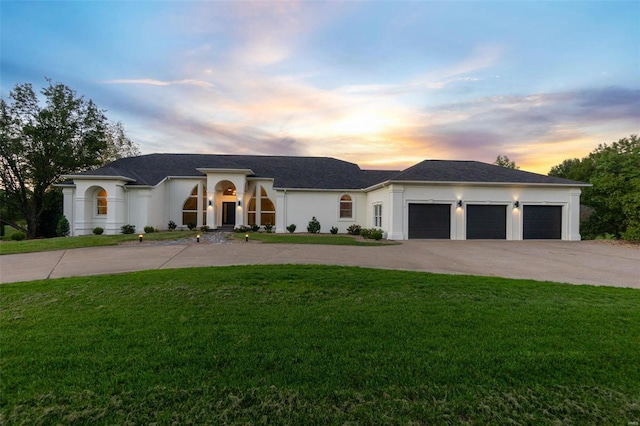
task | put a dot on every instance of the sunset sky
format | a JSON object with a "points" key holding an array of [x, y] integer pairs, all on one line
{"points": [[381, 84]]}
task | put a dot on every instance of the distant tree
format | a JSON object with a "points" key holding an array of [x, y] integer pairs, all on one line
{"points": [[39, 142], [614, 172], [503, 161]]}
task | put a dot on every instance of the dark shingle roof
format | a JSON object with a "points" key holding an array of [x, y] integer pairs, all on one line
{"points": [[313, 172], [474, 171]]}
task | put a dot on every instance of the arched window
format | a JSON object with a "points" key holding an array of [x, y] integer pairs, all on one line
{"points": [[101, 202], [264, 205], [267, 209], [190, 208], [346, 207]]}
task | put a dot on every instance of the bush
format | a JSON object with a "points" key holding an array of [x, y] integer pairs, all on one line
{"points": [[149, 229], [268, 227], [314, 226], [98, 231], [191, 226], [18, 236], [241, 229], [632, 233], [255, 227], [334, 230], [376, 234], [128, 229], [291, 228], [354, 229], [204, 228], [172, 225], [365, 233], [62, 229]]}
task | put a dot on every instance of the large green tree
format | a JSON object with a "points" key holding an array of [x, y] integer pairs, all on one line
{"points": [[40, 141], [614, 172]]}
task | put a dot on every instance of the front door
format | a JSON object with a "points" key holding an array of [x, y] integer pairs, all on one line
{"points": [[229, 213]]}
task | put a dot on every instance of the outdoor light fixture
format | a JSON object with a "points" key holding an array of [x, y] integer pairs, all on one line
{"points": [[140, 237], [198, 238], [246, 238], [210, 203], [239, 203], [516, 204], [459, 203]]}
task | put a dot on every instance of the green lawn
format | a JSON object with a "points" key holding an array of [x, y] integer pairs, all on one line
{"points": [[47, 244], [318, 345], [336, 240], [65, 243]]}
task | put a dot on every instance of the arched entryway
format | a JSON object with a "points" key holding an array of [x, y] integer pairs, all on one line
{"points": [[226, 203]]}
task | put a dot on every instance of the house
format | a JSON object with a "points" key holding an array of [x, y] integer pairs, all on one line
{"points": [[455, 200]]}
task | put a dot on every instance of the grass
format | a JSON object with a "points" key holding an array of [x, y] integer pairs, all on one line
{"points": [[336, 240], [48, 244], [317, 345], [65, 243]]}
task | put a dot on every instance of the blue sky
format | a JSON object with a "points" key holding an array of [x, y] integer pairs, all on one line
{"points": [[381, 84]]}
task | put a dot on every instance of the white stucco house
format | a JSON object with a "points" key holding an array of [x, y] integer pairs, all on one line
{"points": [[439, 199]]}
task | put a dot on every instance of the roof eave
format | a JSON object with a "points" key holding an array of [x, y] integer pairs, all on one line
{"points": [[423, 182], [97, 177]]}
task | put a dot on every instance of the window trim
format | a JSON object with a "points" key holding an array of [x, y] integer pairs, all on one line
{"points": [[377, 215], [351, 203]]}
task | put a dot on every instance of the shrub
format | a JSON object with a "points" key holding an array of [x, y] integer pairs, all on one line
{"points": [[376, 234], [632, 233], [241, 229], [334, 230], [191, 226], [149, 229], [365, 233], [204, 228], [62, 229], [98, 231], [291, 228], [18, 236], [354, 229], [268, 227], [172, 225], [128, 229], [314, 226], [255, 227]]}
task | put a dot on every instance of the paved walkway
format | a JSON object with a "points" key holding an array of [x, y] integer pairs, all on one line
{"points": [[585, 262]]}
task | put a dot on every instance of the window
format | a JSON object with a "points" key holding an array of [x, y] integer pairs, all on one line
{"points": [[101, 200], [377, 215], [190, 208], [264, 205], [267, 209], [346, 207]]}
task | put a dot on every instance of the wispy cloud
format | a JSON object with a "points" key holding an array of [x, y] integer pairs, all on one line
{"points": [[152, 82]]}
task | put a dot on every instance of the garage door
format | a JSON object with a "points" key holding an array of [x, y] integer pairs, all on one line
{"points": [[430, 221], [542, 222], [486, 222]]}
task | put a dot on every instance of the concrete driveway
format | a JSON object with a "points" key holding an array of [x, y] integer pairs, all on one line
{"points": [[584, 262]]}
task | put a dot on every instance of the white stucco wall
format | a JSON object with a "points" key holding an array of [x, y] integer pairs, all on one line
{"points": [[298, 207]]}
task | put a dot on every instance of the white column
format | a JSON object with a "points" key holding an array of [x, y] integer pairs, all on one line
{"points": [[200, 206], [240, 208], [574, 215], [396, 212], [68, 208]]}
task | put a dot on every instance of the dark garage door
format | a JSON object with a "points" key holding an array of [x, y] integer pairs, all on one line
{"points": [[430, 221], [542, 222], [486, 222]]}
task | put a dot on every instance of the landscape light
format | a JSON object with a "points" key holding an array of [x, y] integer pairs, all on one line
{"points": [[198, 238], [140, 237], [246, 238]]}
